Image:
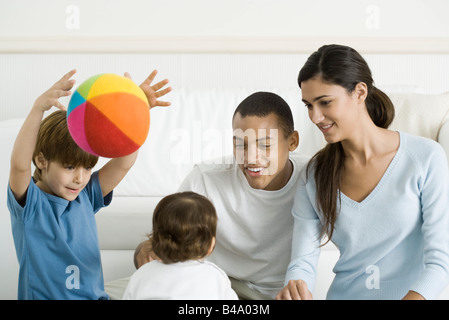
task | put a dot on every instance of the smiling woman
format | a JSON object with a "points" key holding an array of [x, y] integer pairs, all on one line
{"points": [[345, 106], [376, 193]]}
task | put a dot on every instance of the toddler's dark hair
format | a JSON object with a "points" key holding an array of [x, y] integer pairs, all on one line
{"points": [[184, 225]]}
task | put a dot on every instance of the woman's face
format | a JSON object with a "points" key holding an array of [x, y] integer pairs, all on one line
{"points": [[332, 109]]}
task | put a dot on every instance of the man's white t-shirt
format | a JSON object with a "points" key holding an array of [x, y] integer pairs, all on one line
{"points": [[189, 280], [254, 230]]}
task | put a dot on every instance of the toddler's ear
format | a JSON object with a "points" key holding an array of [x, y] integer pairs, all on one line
{"points": [[41, 161], [212, 246]]}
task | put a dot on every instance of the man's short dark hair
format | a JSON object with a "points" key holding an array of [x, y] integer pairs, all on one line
{"points": [[262, 104]]}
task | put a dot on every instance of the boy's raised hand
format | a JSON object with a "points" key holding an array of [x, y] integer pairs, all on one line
{"points": [[153, 92], [22, 153], [60, 89]]}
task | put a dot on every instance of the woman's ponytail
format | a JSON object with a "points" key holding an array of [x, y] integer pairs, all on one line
{"points": [[343, 66], [380, 108]]}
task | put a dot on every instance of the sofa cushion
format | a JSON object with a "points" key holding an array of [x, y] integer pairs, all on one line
{"points": [[420, 114]]}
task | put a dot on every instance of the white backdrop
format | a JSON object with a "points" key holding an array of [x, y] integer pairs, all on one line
{"points": [[25, 76], [224, 18]]}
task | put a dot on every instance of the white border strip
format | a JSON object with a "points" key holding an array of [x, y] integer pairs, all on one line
{"points": [[219, 44]]}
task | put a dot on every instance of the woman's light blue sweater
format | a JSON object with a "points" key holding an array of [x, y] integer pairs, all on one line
{"points": [[395, 240]]}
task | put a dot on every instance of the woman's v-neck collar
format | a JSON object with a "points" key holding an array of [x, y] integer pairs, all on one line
{"points": [[382, 181]]}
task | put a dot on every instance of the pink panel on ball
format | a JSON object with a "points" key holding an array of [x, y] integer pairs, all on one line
{"points": [[75, 123]]}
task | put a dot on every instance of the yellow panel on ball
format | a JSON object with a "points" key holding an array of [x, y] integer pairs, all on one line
{"points": [[109, 83], [109, 116]]}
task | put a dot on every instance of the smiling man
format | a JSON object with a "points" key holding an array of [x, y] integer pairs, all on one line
{"points": [[254, 196]]}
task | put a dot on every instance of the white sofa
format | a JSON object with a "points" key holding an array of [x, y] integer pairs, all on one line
{"points": [[197, 127]]}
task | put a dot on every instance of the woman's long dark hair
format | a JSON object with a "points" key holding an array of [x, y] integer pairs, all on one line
{"points": [[343, 66]]}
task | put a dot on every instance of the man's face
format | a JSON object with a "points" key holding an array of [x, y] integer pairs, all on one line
{"points": [[262, 151]]}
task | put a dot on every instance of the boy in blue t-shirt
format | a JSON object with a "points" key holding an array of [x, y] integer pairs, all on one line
{"points": [[52, 213]]}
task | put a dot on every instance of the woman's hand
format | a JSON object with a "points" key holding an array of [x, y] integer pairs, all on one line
{"points": [[295, 290]]}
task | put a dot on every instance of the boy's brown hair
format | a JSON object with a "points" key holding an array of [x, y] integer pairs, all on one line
{"points": [[184, 226], [56, 144]]}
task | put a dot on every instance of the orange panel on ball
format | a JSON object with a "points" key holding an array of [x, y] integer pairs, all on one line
{"points": [[122, 109]]}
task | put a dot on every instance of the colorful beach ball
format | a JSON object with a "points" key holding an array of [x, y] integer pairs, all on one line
{"points": [[108, 116]]}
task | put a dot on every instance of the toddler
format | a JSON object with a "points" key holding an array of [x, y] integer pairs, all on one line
{"points": [[184, 227]]}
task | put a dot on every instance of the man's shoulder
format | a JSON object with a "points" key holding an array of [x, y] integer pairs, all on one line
{"points": [[216, 166], [210, 174]]}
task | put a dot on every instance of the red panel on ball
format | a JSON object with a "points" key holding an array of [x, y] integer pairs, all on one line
{"points": [[104, 137]]}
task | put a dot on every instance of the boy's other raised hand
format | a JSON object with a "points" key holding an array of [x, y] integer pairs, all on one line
{"points": [[60, 89], [153, 92]]}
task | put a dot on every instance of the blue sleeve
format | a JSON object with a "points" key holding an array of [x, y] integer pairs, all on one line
{"points": [[17, 211], [95, 194], [435, 227], [306, 230]]}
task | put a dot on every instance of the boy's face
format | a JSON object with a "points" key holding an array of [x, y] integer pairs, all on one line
{"points": [[262, 151], [63, 181]]}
